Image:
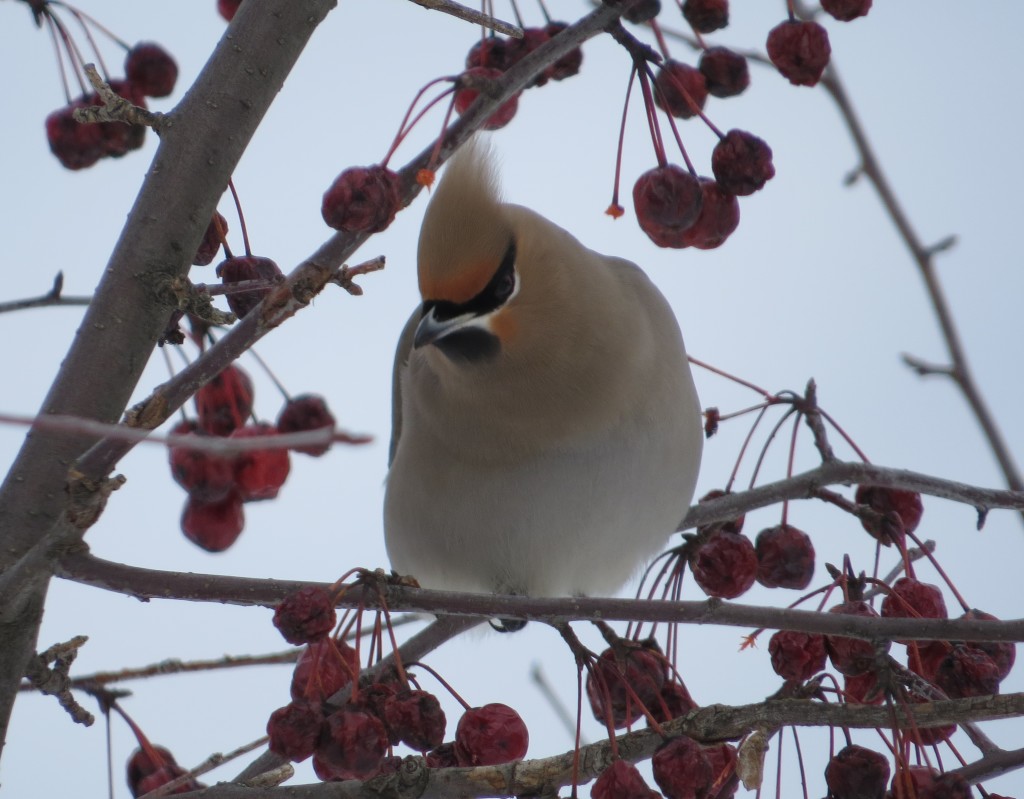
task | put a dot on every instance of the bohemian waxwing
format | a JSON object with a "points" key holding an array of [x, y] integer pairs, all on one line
{"points": [[547, 432]]}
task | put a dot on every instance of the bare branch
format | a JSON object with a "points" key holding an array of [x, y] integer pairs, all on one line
{"points": [[470, 15], [115, 107], [52, 297]]}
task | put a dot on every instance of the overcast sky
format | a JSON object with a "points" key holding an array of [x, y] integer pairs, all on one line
{"points": [[815, 283]]}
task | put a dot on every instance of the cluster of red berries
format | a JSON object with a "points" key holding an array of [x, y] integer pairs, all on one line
{"points": [[354, 741], [218, 484], [150, 71], [683, 769]]}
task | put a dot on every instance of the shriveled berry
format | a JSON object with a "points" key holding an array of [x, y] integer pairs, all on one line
{"points": [[213, 526], [725, 72], [732, 525], [569, 64], [641, 12], [927, 736], [306, 412], [212, 240], [667, 200], [465, 97], [228, 8], [905, 504], [442, 756], [742, 162], [799, 50], [846, 10], [681, 769], [145, 760], [518, 49], [795, 655], [207, 476], [323, 669], [151, 69], [225, 402], [857, 773], [785, 557], [851, 656], [621, 780], [490, 51], [863, 689], [306, 615], [353, 744], [706, 15], [910, 598], [294, 729], [725, 565], [950, 786], [416, 719], [244, 268], [967, 671], [924, 657], [161, 777], [1003, 653], [724, 779], [674, 701], [719, 217], [680, 89], [910, 782], [362, 199], [260, 473], [77, 145], [489, 735], [640, 669]]}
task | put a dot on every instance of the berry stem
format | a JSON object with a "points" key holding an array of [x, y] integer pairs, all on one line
{"points": [[771, 398], [615, 210], [938, 568], [270, 373], [81, 18], [660, 37], [52, 27], [789, 461], [767, 444], [241, 217], [403, 131], [652, 116], [547, 20], [846, 437], [672, 121], [444, 683], [743, 449]]}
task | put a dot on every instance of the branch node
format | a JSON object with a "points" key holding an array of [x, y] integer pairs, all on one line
{"points": [[115, 107], [89, 497], [941, 245], [926, 369], [345, 275], [56, 681]]}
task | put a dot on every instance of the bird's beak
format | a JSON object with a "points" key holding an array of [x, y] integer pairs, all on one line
{"points": [[431, 329]]}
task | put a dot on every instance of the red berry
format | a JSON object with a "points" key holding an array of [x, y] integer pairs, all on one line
{"points": [[846, 10], [151, 70], [1003, 653], [719, 217], [294, 729], [489, 735], [464, 97], [324, 668], [667, 201], [725, 72], [950, 786], [213, 526], [797, 656], [911, 782], [967, 671], [212, 239], [353, 744], [673, 701], [243, 268], [904, 504], [785, 557], [120, 138], [569, 64], [725, 780], [490, 51], [161, 777], [362, 199], [680, 89], [927, 736], [863, 689], [851, 656], [681, 769], [207, 476], [228, 8], [706, 15], [416, 719], [799, 50], [306, 412], [260, 473], [621, 780], [924, 657], [643, 11], [442, 756], [742, 162], [76, 145], [641, 669], [518, 49], [732, 525], [306, 615], [152, 766], [910, 598], [725, 565], [857, 773], [225, 402]]}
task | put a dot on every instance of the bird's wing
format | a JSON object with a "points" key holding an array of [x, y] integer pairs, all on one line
{"points": [[401, 358]]}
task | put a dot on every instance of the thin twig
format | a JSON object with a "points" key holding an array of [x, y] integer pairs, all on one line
{"points": [[52, 297], [470, 15]]}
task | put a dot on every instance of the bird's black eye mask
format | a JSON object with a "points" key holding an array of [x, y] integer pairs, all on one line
{"points": [[495, 294]]}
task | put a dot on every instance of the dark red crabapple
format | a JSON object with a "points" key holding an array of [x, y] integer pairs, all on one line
{"points": [[228, 8], [799, 50], [75, 144], [641, 12], [416, 719], [1003, 653], [785, 557], [490, 51], [846, 10], [353, 744], [719, 217], [910, 598], [725, 72], [306, 615], [306, 412], [207, 476], [863, 689], [294, 729], [260, 473], [465, 97], [673, 702], [161, 777], [569, 64], [151, 69], [621, 780], [489, 735], [641, 669], [911, 782], [927, 736], [706, 16], [742, 163], [681, 769], [520, 48], [851, 656], [725, 565], [243, 268], [362, 199], [152, 766], [732, 525], [667, 200], [797, 656], [857, 773], [967, 671], [442, 756], [212, 240], [120, 138], [324, 668], [924, 657], [213, 526], [724, 780], [905, 504], [680, 89], [225, 402]]}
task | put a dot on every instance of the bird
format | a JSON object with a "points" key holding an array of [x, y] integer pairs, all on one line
{"points": [[547, 432]]}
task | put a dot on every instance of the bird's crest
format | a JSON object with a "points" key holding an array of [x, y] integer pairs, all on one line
{"points": [[465, 231]]}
